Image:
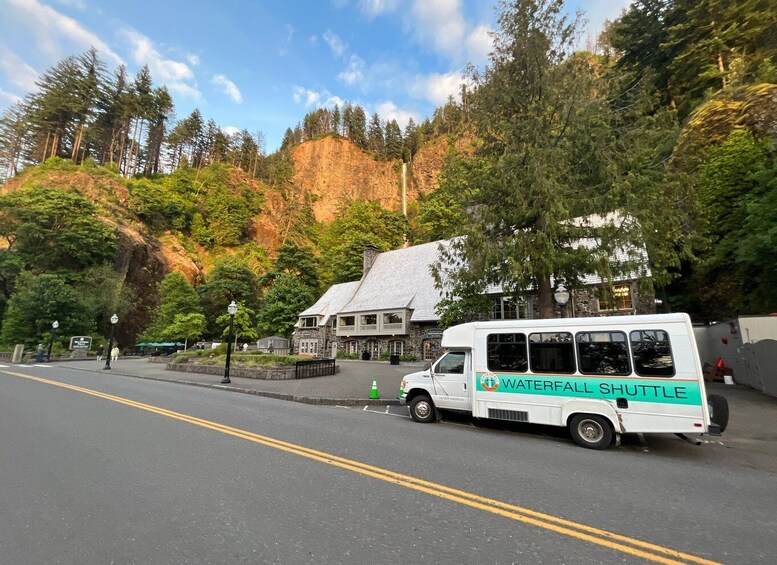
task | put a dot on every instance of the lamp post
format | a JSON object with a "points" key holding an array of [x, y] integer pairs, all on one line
{"points": [[54, 326], [114, 320], [562, 297], [232, 309]]}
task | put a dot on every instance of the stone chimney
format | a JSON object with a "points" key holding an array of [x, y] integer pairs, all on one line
{"points": [[370, 256]]}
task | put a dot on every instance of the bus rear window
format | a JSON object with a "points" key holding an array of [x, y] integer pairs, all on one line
{"points": [[652, 353], [507, 352], [603, 353], [552, 352]]}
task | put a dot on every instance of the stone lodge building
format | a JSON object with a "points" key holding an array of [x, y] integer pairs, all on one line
{"points": [[392, 308]]}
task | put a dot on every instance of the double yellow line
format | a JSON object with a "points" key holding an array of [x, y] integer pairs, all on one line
{"points": [[617, 542]]}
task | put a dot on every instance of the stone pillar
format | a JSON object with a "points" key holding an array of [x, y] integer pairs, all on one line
{"points": [[18, 353]]}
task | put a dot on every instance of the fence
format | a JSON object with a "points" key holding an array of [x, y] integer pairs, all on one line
{"points": [[314, 368]]}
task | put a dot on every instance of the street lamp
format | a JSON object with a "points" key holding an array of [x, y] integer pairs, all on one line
{"points": [[114, 320], [562, 297], [232, 309], [54, 326]]}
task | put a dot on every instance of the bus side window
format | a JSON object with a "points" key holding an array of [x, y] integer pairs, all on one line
{"points": [[507, 352], [603, 353], [652, 353], [552, 352]]}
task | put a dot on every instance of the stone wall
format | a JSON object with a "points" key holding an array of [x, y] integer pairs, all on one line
{"points": [[264, 373]]}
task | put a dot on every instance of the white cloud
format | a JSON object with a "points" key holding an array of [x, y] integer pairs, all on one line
{"points": [[313, 40], [373, 8], [389, 111], [437, 87], [228, 87], [354, 72], [145, 53], [441, 23], [306, 96], [175, 74], [479, 44], [9, 97], [78, 4], [230, 130], [335, 43], [193, 59], [184, 89], [51, 27], [18, 73], [289, 34]]}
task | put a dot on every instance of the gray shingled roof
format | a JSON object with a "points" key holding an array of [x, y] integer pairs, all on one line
{"points": [[331, 302], [400, 279]]}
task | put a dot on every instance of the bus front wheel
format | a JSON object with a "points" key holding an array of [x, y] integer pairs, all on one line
{"points": [[591, 431], [422, 409]]}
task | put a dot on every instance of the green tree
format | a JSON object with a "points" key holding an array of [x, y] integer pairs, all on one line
{"points": [[185, 327], [298, 261], [176, 297], [562, 139], [37, 302], [282, 305], [242, 326], [358, 225], [52, 229], [230, 279], [737, 181]]}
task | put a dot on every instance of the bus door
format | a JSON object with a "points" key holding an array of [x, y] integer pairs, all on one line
{"points": [[449, 376]]}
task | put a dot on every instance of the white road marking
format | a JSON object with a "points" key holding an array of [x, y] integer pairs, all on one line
{"points": [[42, 366], [3, 366]]}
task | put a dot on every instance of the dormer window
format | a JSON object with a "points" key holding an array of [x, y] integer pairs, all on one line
{"points": [[308, 322]]}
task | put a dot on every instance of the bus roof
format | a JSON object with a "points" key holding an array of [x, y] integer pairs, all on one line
{"points": [[463, 335]]}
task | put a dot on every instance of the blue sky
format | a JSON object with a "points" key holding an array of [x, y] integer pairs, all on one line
{"points": [[262, 64]]}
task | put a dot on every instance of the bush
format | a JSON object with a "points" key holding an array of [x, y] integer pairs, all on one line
{"points": [[344, 355], [408, 358], [385, 356]]}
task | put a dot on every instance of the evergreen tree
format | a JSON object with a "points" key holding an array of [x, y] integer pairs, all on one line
{"points": [[357, 129], [554, 134], [393, 140], [375, 140], [280, 309]]}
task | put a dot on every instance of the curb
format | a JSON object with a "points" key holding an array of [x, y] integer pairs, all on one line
{"points": [[315, 400]]}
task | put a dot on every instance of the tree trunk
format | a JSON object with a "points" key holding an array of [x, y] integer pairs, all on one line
{"points": [[137, 157], [46, 147], [545, 297]]}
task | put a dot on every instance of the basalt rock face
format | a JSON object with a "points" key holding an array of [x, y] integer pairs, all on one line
{"points": [[334, 171]]}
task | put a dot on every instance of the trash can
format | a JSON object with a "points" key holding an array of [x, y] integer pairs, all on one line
{"points": [[394, 358], [365, 355]]}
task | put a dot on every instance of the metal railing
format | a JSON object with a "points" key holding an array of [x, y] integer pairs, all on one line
{"points": [[314, 368]]}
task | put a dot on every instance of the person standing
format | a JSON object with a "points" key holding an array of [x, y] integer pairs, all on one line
{"points": [[40, 353], [115, 353], [99, 353]]}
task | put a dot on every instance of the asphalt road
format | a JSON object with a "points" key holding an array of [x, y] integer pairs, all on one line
{"points": [[100, 468]]}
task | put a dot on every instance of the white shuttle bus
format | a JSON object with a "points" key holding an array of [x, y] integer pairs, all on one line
{"points": [[599, 377]]}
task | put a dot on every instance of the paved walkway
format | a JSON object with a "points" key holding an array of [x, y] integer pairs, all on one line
{"points": [[350, 386]]}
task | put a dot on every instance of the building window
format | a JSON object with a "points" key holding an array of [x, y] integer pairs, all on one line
{"points": [[430, 348], [507, 352], [347, 322], [496, 308], [552, 352], [308, 322], [392, 320], [368, 322], [397, 347], [652, 353], [371, 346], [603, 353], [308, 347], [352, 347], [505, 308], [620, 298]]}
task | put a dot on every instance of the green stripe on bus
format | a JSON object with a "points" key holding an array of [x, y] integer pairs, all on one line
{"points": [[665, 391]]}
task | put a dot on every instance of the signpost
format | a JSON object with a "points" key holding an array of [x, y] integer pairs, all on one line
{"points": [[80, 342]]}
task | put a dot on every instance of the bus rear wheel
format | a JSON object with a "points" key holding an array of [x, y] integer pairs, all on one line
{"points": [[591, 431]]}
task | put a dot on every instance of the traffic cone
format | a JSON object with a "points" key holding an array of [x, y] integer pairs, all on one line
{"points": [[374, 392]]}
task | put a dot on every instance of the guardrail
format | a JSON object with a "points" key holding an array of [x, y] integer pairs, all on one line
{"points": [[314, 368]]}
